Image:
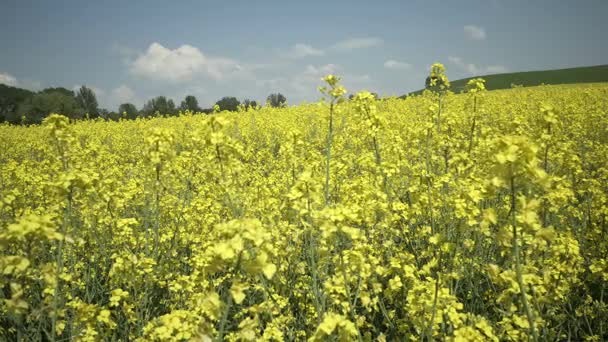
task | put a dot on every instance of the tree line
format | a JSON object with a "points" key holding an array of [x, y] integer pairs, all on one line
{"points": [[22, 106]]}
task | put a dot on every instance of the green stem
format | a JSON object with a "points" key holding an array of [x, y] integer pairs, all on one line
{"points": [[59, 260], [328, 150], [312, 264], [348, 295], [429, 330], [473, 125], [518, 268], [220, 336]]}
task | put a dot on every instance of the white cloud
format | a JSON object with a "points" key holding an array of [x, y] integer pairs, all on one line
{"points": [[358, 43], [320, 71], [393, 64], [181, 64], [113, 98], [170, 65], [473, 32], [12, 81], [474, 69], [8, 79], [122, 94], [303, 50]]}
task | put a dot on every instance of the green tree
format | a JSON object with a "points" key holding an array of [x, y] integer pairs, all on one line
{"points": [[129, 109], [87, 100], [171, 110], [159, 105], [60, 90], [228, 103], [10, 98], [190, 103], [276, 100], [247, 103], [44, 103], [103, 113]]}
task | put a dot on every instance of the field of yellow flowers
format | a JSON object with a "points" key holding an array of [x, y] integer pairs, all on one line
{"points": [[479, 216]]}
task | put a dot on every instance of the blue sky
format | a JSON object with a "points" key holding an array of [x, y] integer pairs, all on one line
{"points": [[131, 51]]}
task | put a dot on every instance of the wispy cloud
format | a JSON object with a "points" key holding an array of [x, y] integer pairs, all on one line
{"points": [[320, 71], [396, 65], [306, 82], [113, 98], [123, 94], [302, 85], [8, 79], [303, 50], [357, 43], [473, 32], [474, 69]]}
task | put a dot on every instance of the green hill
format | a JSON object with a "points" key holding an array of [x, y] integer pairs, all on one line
{"points": [[591, 74]]}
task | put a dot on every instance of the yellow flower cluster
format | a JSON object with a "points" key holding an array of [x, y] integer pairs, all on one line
{"points": [[461, 217]]}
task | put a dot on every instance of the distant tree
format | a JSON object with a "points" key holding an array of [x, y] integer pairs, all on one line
{"points": [[171, 110], [102, 113], [190, 103], [10, 99], [276, 100], [228, 103], [114, 116], [44, 103], [247, 103], [159, 105], [129, 109], [87, 100], [60, 90], [149, 108]]}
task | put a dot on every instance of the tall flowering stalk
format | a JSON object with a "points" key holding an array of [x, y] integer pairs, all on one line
{"points": [[475, 88], [335, 92]]}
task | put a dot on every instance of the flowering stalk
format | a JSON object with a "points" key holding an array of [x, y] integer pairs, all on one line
{"points": [[518, 269], [474, 87], [336, 95]]}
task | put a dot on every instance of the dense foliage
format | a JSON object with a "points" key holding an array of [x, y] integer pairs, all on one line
{"points": [[471, 217], [276, 100]]}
